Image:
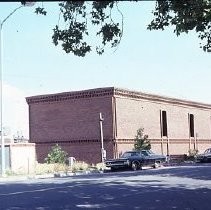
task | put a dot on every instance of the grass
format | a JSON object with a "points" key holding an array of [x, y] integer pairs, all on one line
{"points": [[45, 168]]}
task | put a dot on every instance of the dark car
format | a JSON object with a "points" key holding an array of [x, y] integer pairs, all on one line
{"points": [[205, 157], [136, 160]]}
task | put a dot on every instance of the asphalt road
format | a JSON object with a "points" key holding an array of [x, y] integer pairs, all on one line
{"points": [[184, 187]]}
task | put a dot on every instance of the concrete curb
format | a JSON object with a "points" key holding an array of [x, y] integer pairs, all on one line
{"points": [[46, 176], [77, 173]]}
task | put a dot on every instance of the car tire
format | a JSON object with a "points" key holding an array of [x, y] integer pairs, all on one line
{"points": [[157, 164], [205, 160], [135, 166]]}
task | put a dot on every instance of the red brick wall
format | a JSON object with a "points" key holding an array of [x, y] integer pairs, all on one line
{"points": [[89, 152], [72, 121], [135, 113], [175, 147]]}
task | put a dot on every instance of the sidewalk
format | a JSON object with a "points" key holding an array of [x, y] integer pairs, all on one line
{"points": [[14, 178], [45, 176]]}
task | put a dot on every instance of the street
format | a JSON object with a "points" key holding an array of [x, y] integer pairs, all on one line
{"points": [[180, 187]]}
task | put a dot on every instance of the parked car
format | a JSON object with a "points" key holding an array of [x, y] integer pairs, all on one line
{"points": [[205, 157], [136, 160]]}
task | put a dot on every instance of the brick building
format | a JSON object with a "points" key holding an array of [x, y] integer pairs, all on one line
{"points": [[72, 119]]}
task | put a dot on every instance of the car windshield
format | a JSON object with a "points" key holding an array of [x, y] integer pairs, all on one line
{"points": [[130, 154], [208, 150], [146, 152]]}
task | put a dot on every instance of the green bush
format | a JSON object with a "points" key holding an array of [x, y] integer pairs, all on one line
{"points": [[44, 168], [192, 154], [100, 166], [80, 166], [56, 155], [141, 140]]}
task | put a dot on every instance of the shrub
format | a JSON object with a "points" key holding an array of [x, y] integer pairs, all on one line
{"points": [[9, 172], [44, 168], [141, 140], [56, 155], [80, 166], [100, 166], [192, 153]]}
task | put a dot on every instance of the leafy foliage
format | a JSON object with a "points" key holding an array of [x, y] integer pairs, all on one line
{"points": [[41, 11], [192, 153], [141, 140], [186, 16], [80, 18], [56, 155]]}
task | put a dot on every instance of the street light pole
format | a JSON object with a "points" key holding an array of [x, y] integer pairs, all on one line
{"points": [[1, 85], [103, 152], [1, 108]]}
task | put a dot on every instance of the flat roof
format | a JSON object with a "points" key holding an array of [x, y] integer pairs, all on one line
{"points": [[115, 92]]}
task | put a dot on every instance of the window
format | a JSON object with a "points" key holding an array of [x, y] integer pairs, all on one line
{"points": [[191, 125], [130, 154], [144, 153], [163, 122]]}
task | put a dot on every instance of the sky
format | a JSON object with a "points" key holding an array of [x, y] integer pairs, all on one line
{"points": [[156, 62]]}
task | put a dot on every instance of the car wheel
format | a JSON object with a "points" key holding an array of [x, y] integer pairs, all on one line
{"points": [[205, 159], [157, 164], [135, 165]]}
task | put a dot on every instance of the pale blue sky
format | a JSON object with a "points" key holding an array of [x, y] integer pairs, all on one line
{"points": [[155, 62]]}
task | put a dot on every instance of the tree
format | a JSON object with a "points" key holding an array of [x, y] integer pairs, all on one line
{"points": [[76, 21], [141, 140], [81, 17], [186, 16], [56, 155]]}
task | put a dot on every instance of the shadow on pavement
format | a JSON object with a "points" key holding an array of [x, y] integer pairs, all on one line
{"points": [[168, 188]]}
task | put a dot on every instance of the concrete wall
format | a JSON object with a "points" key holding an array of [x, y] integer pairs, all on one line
{"points": [[22, 158]]}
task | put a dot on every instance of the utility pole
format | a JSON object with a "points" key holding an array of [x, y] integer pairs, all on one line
{"points": [[1, 84], [103, 151], [1, 109]]}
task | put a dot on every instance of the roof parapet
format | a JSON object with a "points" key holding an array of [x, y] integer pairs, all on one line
{"points": [[112, 91]]}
